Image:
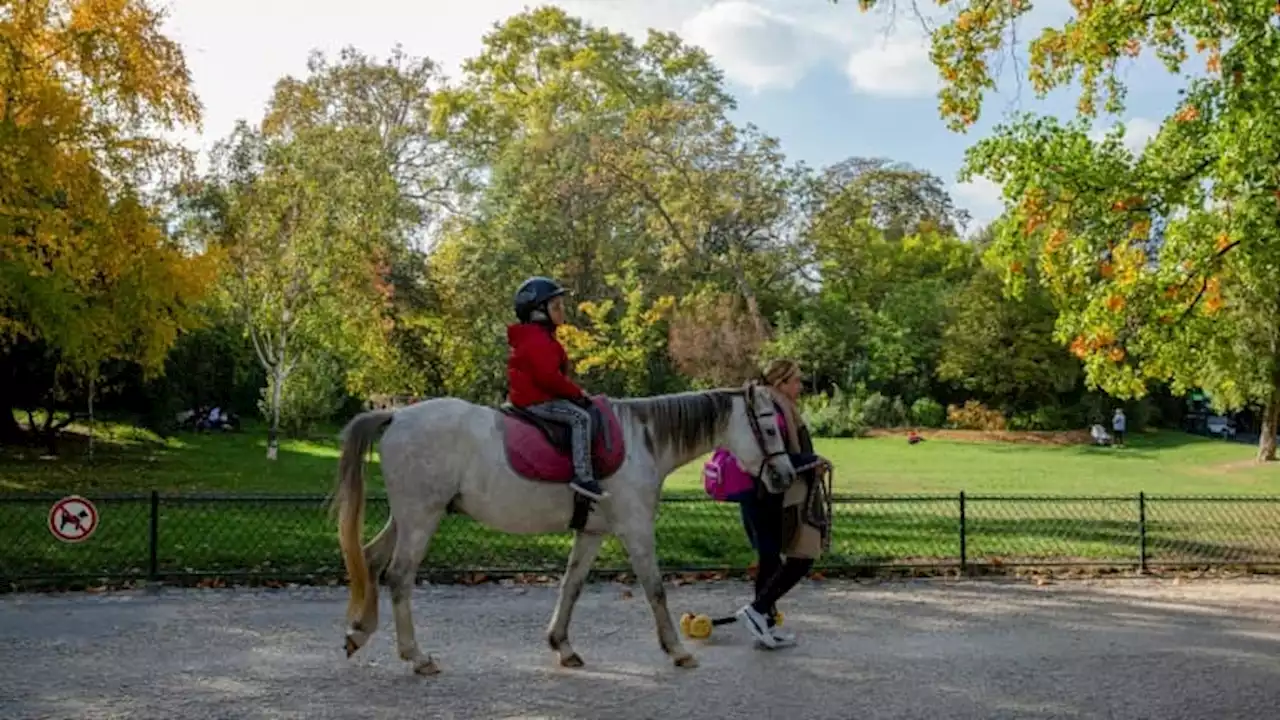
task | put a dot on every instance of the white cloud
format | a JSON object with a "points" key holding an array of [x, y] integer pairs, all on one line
{"points": [[1138, 132], [894, 66], [983, 199], [756, 47]]}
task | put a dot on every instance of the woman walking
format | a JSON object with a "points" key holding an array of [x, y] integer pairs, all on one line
{"points": [[790, 524]]}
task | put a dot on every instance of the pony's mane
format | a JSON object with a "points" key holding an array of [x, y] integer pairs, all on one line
{"points": [[682, 422]]}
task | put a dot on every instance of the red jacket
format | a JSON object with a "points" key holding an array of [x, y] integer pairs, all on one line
{"points": [[537, 368]]}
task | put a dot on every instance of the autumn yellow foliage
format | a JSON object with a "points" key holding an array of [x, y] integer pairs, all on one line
{"points": [[84, 264]]}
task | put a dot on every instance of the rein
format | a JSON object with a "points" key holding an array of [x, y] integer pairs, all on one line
{"points": [[753, 419]]}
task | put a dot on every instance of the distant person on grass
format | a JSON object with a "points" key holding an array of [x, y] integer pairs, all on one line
{"points": [[1118, 426], [781, 525]]}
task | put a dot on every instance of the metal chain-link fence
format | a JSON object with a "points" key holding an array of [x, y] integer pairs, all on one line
{"points": [[163, 537]]}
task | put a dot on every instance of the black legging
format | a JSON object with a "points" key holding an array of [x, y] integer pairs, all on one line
{"points": [[774, 578]]}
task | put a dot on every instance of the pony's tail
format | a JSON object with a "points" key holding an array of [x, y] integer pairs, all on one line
{"points": [[357, 439]]}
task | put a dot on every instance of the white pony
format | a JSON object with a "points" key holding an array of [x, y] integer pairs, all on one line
{"points": [[447, 455]]}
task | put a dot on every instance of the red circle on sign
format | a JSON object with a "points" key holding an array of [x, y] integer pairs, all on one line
{"points": [[73, 519]]}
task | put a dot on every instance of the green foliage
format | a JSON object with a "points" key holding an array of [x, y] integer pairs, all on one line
{"points": [[928, 412], [850, 414], [887, 268], [615, 352], [879, 411], [835, 415], [1162, 264], [301, 218], [213, 365], [89, 277], [312, 395], [377, 220], [1002, 350], [1050, 417], [824, 337]]}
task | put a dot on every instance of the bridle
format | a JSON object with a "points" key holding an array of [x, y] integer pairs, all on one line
{"points": [[758, 432]]}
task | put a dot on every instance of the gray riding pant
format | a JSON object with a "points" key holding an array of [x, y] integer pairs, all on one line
{"points": [[579, 422]]}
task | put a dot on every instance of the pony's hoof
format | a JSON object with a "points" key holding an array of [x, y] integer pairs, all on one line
{"points": [[427, 667], [351, 646], [573, 661], [688, 662]]}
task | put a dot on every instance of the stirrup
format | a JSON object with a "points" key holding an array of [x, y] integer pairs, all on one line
{"points": [[587, 492]]}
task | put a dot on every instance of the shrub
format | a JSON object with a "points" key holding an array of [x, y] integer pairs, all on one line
{"points": [[837, 415], [1050, 417], [898, 412], [973, 415], [928, 412], [878, 411]]}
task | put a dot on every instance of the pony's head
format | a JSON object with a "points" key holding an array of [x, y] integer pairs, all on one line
{"points": [[754, 439]]}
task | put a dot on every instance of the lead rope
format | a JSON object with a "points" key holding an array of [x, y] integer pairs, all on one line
{"points": [[829, 482]]}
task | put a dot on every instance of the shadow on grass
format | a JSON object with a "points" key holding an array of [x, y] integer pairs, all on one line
{"points": [[189, 461]]}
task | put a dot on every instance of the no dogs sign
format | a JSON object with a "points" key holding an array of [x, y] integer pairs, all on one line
{"points": [[73, 519]]}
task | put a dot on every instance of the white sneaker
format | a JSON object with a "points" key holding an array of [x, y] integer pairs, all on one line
{"points": [[757, 625], [783, 638]]}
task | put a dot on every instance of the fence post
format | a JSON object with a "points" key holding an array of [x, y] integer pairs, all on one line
{"points": [[964, 552], [153, 542], [1142, 532]]}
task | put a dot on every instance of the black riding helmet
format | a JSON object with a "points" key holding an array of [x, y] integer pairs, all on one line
{"points": [[534, 294]]}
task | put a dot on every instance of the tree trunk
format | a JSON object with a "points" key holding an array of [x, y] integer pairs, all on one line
{"points": [[49, 433], [1270, 423], [10, 430], [91, 388], [273, 434]]}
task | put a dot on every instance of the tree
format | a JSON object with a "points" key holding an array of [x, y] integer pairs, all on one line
{"points": [[595, 150], [393, 99], [895, 197], [882, 294], [300, 220], [87, 274], [713, 341], [1030, 371], [614, 352], [1162, 263], [721, 199], [542, 70]]}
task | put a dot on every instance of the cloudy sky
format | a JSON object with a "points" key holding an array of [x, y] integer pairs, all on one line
{"points": [[829, 81]]}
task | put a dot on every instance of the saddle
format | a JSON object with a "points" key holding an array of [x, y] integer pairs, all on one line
{"points": [[541, 450]]}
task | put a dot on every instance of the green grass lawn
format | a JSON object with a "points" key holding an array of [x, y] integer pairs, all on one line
{"points": [[290, 536], [127, 459], [1157, 463]]}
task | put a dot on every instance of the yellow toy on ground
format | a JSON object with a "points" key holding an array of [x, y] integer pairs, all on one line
{"points": [[699, 627]]}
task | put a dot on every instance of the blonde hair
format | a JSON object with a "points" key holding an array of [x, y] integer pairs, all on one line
{"points": [[779, 371], [775, 374]]}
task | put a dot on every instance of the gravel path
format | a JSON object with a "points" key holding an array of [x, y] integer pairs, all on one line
{"points": [[934, 650]]}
